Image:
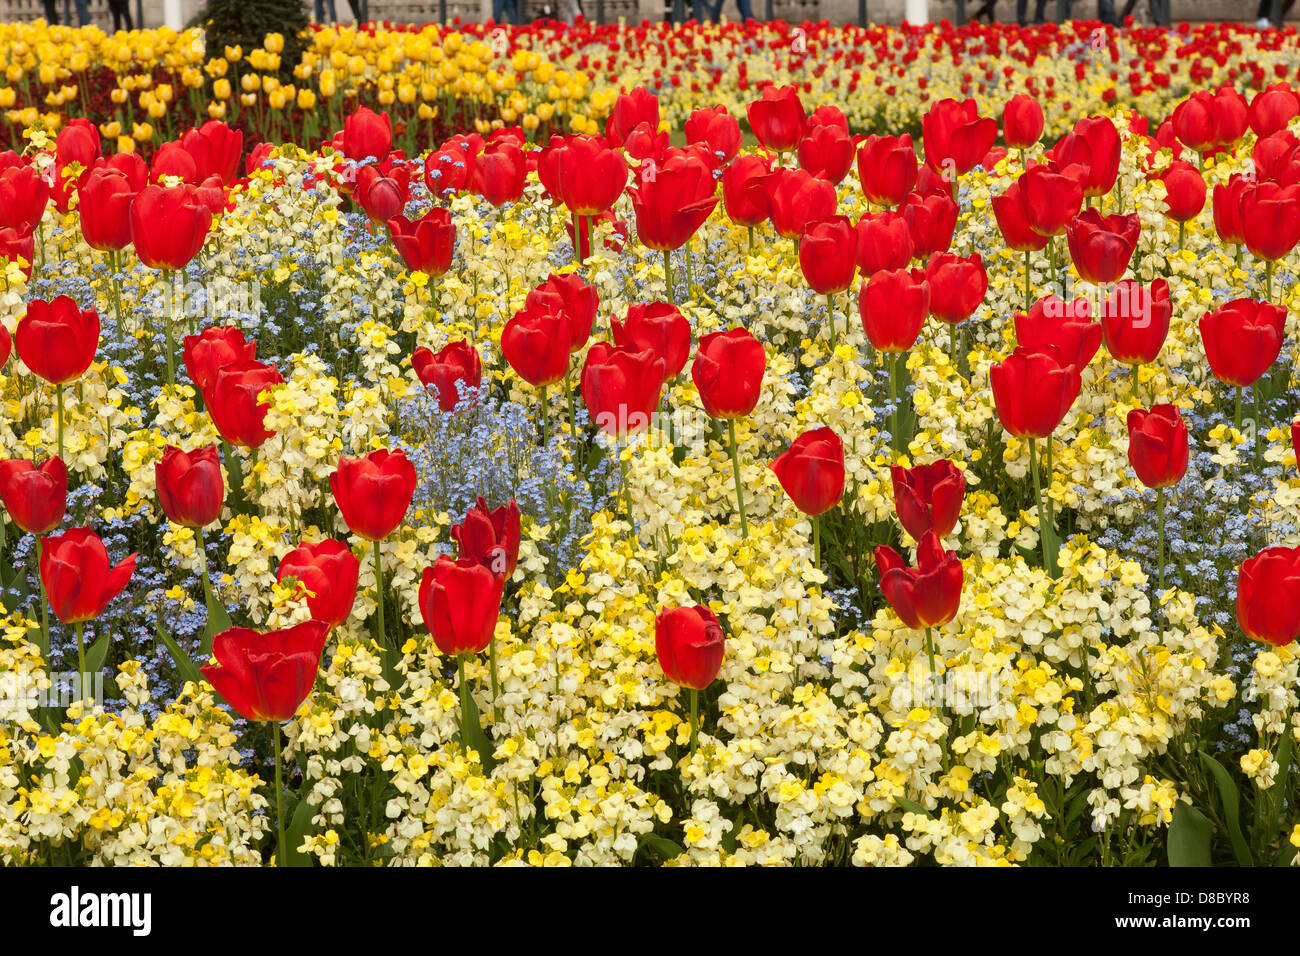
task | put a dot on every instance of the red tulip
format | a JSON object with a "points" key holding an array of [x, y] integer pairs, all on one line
{"points": [[105, 209], [797, 198], [659, 327], [1193, 121], [79, 581], [826, 151], [716, 129], [1033, 388], [498, 172], [1184, 191], [367, 135], [930, 220], [728, 371], [744, 190], [1226, 204], [265, 676], [1157, 445], [614, 240], [172, 160], [1066, 325], [440, 372], [35, 498], [568, 294], [1275, 159], [591, 176], [1022, 121], [213, 349], [374, 491], [630, 111], [460, 602], [1273, 109], [382, 191], [1270, 219], [925, 596], [536, 344], [1101, 246], [489, 537], [78, 142], [18, 247], [1268, 596], [778, 118], [217, 150], [957, 286], [426, 245], [928, 497], [1242, 339], [1014, 225], [1231, 117], [168, 225], [328, 572], [233, 401], [6, 346], [23, 198], [956, 137], [884, 243], [1050, 199], [887, 168], [826, 254], [1135, 321], [893, 306], [1093, 146], [672, 204], [190, 488], [56, 340], [811, 471], [690, 645], [621, 387], [446, 170]]}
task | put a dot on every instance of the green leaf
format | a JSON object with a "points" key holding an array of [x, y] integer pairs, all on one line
{"points": [[186, 667], [478, 740], [298, 830], [97, 653], [218, 621], [1190, 833], [911, 806], [1286, 854], [1231, 809], [661, 845]]}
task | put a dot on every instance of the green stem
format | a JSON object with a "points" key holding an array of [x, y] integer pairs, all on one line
{"points": [[81, 658], [1028, 253], [45, 606], [830, 309], [1236, 419], [1049, 559], [1051, 505], [817, 540], [205, 648], [379, 594], [281, 845], [568, 390], [1160, 535], [686, 251], [1254, 394], [1136, 398], [751, 240], [58, 391], [934, 671], [492, 668], [622, 477], [464, 701], [735, 474], [546, 418], [171, 318], [668, 275], [1268, 279], [695, 717]]}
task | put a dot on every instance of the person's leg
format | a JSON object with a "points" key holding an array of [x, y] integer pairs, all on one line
{"points": [[83, 13], [1022, 12], [1106, 11], [1062, 10], [746, 11], [1040, 8], [51, 12]]}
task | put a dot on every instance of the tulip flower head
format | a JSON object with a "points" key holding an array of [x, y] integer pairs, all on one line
{"points": [[811, 471], [327, 573], [374, 491], [1157, 445], [190, 488], [1268, 596], [78, 577], [925, 596], [690, 645], [265, 676], [490, 537], [928, 497], [459, 603], [36, 498]]}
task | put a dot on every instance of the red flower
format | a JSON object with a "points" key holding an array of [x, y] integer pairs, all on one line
{"points": [[367, 135], [1226, 204], [1193, 121], [374, 491], [382, 191], [1270, 219], [168, 225], [826, 254], [213, 349], [630, 111], [1092, 146], [1184, 191], [190, 489], [79, 582], [328, 571], [568, 294], [811, 471], [104, 205], [56, 340], [536, 344], [426, 245], [267, 675], [931, 220], [728, 372], [744, 190], [1268, 596], [498, 172], [35, 498], [1242, 339], [439, 372], [1101, 246], [234, 404], [956, 137], [1272, 109], [621, 387], [217, 150], [78, 142], [826, 151], [884, 243], [1157, 445], [489, 537], [777, 119], [957, 286], [1135, 321], [1066, 325], [796, 198], [1012, 222], [717, 129], [928, 497], [590, 175], [1050, 199], [887, 168], [929, 594], [660, 327], [460, 602], [690, 646], [1033, 388], [893, 306], [23, 198], [673, 203], [1022, 121]]}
